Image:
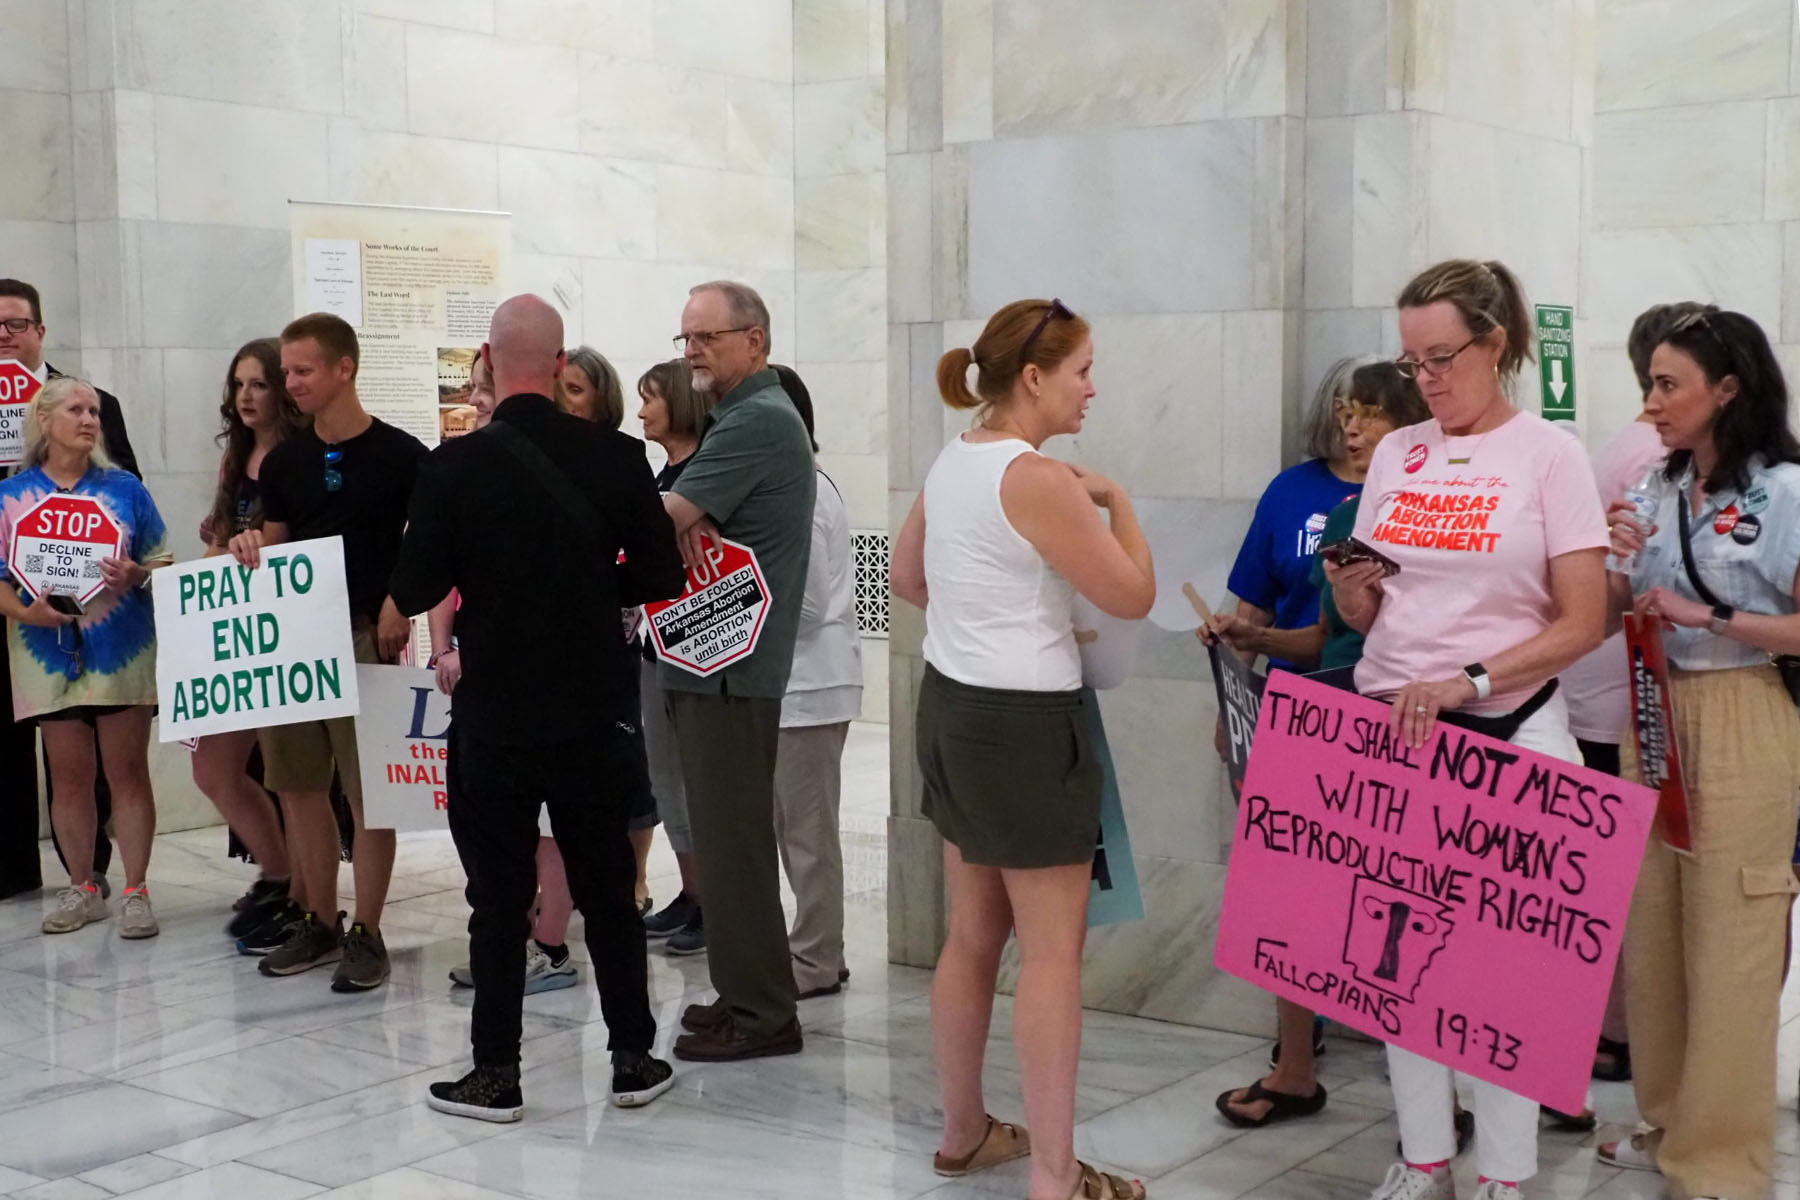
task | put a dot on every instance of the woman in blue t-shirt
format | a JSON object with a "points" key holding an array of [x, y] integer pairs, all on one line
{"points": [[1272, 580]]}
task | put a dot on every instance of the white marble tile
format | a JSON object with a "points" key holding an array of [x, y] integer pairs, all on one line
{"points": [[35, 54], [262, 52], [1695, 165], [1652, 52], [63, 1189], [39, 185], [389, 1141], [842, 315], [620, 27], [527, 94], [117, 1122], [909, 238], [1346, 57], [1115, 205], [145, 1042], [849, 403], [1738, 266], [371, 167], [1070, 65], [377, 67], [16, 1181], [968, 58], [652, 111], [578, 204], [831, 39], [134, 1174], [211, 285], [738, 37], [475, 15], [1167, 775], [425, 1034], [1484, 60], [410, 1184], [1264, 68], [94, 169], [273, 1077], [707, 216], [760, 127], [1388, 205], [1252, 373], [226, 1182], [299, 1004], [840, 221], [1329, 241], [45, 1008], [838, 127]]}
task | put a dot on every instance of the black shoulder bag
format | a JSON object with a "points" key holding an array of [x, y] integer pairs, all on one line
{"points": [[1787, 664], [550, 477]]}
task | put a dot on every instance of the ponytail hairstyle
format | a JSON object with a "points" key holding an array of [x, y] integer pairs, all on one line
{"points": [[1041, 333], [1755, 424], [1488, 296]]}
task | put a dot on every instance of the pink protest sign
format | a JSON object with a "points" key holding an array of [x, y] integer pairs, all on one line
{"points": [[1464, 901]]}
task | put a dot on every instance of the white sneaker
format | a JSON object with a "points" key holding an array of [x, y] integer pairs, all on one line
{"points": [[1635, 1153], [1404, 1183], [75, 907], [542, 975], [136, 918], [1493, 1189]]}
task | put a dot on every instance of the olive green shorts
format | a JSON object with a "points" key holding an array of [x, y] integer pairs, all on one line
{"points": [[1011, 778]]}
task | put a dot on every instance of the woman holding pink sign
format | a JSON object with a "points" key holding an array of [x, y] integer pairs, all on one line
{"points": [[1720, 565], [1492, 517], [90, 659]]}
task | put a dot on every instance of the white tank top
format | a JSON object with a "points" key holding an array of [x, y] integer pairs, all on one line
{"points": [[999, 616]]}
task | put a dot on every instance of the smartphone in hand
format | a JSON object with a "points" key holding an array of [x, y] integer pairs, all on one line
{"points": [[1354, 550]]}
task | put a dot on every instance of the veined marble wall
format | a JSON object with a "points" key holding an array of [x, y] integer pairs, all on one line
{"points": [[1695, 180], [1233, 191]]}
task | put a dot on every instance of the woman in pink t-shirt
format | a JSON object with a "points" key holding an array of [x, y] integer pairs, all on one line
{"points": [[1494, 518]]}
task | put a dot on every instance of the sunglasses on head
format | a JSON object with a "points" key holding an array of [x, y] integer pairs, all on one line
{"points": [[1058, 311]]}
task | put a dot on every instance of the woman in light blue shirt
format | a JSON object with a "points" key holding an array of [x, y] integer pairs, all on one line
{"points": [[1720, 565]]}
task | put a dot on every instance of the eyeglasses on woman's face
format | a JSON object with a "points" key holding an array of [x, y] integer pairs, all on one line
{"points": [[1434, 365]]}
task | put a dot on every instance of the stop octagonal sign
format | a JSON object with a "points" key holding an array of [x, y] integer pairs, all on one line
{"points": [[719, 618], [57, 545], [17, 386]]}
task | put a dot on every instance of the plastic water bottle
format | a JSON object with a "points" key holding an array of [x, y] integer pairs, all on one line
{"points": [[1642, 498]]}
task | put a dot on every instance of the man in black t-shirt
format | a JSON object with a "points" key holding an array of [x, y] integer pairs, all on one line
{"points": [[352, 476]]}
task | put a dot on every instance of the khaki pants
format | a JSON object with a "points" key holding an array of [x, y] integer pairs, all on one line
{"points": [[809, 784], [1707, 931]]}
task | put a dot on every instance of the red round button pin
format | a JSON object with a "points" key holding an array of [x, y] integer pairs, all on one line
{"points": [[1726, 521], [1415, 458]]}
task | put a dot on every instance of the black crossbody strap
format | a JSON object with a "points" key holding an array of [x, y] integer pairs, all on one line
{"points": [[1687, 557], [550, 476]]}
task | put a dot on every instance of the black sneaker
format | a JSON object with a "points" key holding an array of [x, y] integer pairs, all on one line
{"points": [[672, 919], [364, 963], [274, 930], [309, 944], [486, 1094], [265, 898], [692, 937], [638, 1078]]}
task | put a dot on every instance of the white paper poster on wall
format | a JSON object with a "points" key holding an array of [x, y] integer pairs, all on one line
{"points": [[420, 286]]}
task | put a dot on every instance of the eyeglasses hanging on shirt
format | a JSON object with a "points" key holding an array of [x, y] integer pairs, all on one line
{"points": [[334, 479]]}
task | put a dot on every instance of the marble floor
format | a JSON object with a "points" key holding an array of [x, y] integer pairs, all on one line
{"points": [[171, 1070]]}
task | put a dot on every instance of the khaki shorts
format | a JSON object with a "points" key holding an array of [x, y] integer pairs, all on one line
{"points": [[1011, 778], [303, 757]]}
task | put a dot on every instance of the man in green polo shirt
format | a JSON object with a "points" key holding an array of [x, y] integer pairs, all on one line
{"points": [[751, 481]]}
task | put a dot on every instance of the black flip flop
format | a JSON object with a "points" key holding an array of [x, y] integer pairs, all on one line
{"points": [[1283, 1106], [1562, 1122]]}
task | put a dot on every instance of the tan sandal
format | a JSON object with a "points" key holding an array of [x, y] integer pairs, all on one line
{"points": [[1101, 1185], [1001, 1143]]}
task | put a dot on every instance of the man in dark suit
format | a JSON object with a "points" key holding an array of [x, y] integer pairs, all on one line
{"points": [[525, 520], [22, 338]]}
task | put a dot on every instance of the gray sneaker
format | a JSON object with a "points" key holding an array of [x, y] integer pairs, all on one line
{"points": [[75, 907], [364, 962], [691, 939], [309, 945], [541, 975], [136, 918]]}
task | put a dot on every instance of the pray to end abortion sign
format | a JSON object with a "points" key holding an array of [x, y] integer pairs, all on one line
{"points": [[1464, 901]]}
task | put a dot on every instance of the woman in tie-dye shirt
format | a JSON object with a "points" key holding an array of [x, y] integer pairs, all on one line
{"points": [[98, 666]]}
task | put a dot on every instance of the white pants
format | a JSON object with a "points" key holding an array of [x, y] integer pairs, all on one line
{"points": [[1506, 1123]]}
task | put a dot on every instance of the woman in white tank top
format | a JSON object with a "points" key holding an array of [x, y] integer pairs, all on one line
{"points": [[995, 550]]}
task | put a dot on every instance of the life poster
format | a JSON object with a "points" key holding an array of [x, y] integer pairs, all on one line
{"points": [[1464, 900], [1653, 730]]}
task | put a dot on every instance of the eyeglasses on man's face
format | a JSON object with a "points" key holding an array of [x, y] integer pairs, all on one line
{"points": [[705, 338], [18, 324], [1434, 365]]}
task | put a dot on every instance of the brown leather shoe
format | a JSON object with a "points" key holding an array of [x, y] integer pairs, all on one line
{"points": [[699, 1018], [731, 1042]]}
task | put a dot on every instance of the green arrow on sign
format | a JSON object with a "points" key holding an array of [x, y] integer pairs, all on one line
{"points": [[1556, 361]]}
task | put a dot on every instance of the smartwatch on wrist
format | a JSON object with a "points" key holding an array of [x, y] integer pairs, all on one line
{"points": [[1477, 674], [1721, 618]]}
